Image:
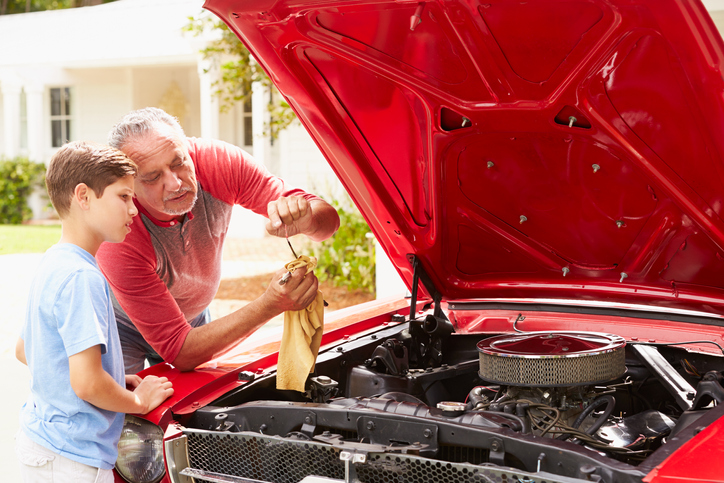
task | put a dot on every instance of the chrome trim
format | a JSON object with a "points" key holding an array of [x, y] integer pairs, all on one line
{"points": [[215, 477], [176, 453]]}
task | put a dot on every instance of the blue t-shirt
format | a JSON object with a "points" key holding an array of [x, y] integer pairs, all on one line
{"points": [[70, 310]]}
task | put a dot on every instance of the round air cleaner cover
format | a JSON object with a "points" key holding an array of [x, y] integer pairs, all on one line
{"points": [[552, 359]]}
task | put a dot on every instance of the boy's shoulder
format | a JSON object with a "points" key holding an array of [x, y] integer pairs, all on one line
{"points": [[68, 254], [64, 260]]}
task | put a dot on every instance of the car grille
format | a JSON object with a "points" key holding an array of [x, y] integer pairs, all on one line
{"points": [[271, 459], [262, 458]]}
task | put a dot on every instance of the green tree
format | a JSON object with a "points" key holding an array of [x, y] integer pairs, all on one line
{"points": [[238, 71], [348, 258], [24, 6]]}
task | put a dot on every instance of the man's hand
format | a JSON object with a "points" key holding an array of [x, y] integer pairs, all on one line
{"points": [[294, 212], [317, 219], [296, 293]]}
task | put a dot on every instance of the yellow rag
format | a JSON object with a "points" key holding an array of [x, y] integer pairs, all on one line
{"points": [[301, 338]]}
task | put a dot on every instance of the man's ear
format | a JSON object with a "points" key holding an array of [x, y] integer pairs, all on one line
{"points": [[81, 195]]}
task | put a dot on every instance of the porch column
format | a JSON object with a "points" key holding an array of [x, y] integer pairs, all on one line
{"points": [[209, 100], [36, 123], [11, 89], [259, 117]]}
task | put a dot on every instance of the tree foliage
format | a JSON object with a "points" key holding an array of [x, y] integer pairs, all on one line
{"points": [[348, 258], [238, 71], [24, 6]]}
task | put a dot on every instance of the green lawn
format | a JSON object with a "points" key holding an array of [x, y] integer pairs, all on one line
{"points": [[27, 238]]}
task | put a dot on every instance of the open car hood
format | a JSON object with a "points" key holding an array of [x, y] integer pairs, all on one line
{"points": [[517, 149]]}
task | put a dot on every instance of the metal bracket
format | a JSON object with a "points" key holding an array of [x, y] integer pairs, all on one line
{"points": [[420, 275], [497, 452], [310, 424], [673, 381], [410, 438]]}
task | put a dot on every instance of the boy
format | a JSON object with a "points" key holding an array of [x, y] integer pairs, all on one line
{"points": [[72, 421]]}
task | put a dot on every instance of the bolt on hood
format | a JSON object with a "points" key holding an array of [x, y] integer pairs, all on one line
{"points": [[537, 149]]}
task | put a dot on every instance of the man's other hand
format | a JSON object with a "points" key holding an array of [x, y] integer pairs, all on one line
{"points": [[292, 212], [295, 294]]}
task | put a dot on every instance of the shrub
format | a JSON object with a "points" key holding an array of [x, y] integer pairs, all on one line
{"points": [[18, 178], [347, 258]]}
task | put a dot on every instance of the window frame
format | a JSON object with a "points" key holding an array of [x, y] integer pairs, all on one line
{"points": [[63, 117]]}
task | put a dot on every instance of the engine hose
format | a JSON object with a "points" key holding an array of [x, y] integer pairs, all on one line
{"points": [[610, 403]]}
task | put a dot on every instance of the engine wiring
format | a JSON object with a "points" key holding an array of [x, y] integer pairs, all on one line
{"points": [[689, 368], [547, 420]]}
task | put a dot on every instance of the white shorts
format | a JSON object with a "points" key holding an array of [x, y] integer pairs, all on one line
{"points": [[40, 465]]}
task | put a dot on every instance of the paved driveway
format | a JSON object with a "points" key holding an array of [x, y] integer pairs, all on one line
{"points": [[17, 272]]}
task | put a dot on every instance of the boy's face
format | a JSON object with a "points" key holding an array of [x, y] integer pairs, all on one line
{"points": [[166, 181], [111, 215]]}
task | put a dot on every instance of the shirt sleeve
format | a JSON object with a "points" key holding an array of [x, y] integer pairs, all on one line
{"points": [[130, 268], [81, 312], [232, 175]]}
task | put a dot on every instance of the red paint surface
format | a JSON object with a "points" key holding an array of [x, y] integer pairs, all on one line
{"points": [[699, 460], [448, 134]]}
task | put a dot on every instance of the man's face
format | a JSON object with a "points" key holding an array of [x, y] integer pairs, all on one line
{"points": [[166, 181]]}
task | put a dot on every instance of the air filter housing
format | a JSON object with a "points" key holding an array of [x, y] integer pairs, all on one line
{"points": [[552, 359]]}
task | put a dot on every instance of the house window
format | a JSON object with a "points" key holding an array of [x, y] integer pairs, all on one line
{"points": [[60, 115], [246, 115]]}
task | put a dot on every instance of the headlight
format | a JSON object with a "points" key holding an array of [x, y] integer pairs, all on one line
{"points": [[140, 451]]}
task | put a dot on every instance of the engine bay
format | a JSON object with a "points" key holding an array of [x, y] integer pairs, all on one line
{"points": [[565, 405]]}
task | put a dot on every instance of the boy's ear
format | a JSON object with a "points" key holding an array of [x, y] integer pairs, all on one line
{"points": [[81, 195]]}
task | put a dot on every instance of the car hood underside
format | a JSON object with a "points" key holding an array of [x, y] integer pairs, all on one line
{"points": [[548, 149]]}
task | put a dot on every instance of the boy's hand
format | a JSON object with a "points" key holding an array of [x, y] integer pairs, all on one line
{"points": [[132, 381], [152, 391]]}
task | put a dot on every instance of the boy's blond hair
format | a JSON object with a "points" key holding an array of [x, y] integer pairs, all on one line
{"points": [[96, 165]]}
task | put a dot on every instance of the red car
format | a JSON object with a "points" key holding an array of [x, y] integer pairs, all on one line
{"points": [[548, 179]]}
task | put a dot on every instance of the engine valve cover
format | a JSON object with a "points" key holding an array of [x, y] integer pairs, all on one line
{"points": [[552, 359]]}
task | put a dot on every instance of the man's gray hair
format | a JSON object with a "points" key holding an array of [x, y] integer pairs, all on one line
{"points": [[139, 122]]}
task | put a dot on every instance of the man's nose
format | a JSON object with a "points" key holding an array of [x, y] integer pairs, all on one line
{"points": [[172, 182]]}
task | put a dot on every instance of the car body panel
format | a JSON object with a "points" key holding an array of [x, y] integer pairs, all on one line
{"points": [[456, 142], [698, 460]]}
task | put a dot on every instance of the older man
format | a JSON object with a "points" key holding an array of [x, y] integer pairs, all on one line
{"points": [[168, 269]]}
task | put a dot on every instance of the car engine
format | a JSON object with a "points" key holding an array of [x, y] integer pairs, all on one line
{"points": [[415, 401]]}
